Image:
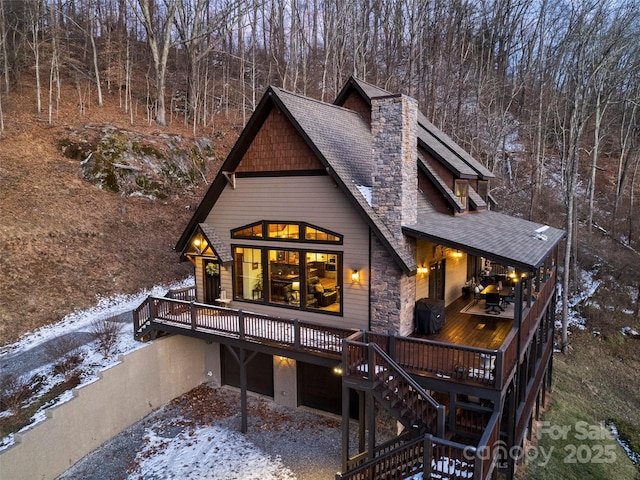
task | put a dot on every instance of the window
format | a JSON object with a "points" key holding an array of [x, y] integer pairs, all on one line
{"points": [[248, 273], [283, 230], [483, 189], [316, 234], [283, 275], [297, 231], [250, 231], [294, 278], [462, 192]]}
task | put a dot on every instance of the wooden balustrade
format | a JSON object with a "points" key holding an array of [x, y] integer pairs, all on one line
{"points": [[487, 450], [531, 315], [186, 293], [252, 327], [433, 457], [456, 362], [485, 367]]}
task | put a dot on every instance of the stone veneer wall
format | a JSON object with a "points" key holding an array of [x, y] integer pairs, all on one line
{"points": [[392, 294], [394, 121], [394, 195]]}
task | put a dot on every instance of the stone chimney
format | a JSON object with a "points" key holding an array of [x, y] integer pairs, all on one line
{"points": [[394, 196], [394, 123]]}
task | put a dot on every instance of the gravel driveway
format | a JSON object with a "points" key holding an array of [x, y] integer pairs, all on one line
{"points": [[307, 443]]}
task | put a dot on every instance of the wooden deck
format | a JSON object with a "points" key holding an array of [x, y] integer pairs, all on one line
{"points": [[481, 331]]}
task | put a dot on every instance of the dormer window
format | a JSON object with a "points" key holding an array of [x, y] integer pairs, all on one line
{"points": [[483, 189], [462, 192]]}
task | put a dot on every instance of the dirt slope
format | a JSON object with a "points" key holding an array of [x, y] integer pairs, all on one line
{"points": [[63, 241]]}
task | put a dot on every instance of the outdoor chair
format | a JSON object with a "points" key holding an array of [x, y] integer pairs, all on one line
{"points": [[493, 303]]}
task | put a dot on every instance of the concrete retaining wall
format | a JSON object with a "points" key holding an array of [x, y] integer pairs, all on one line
{"points": [[143, 381]]}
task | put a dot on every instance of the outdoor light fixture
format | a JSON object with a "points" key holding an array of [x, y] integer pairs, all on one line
{"points": [[337, 370], [423, 270], [355, 276]]}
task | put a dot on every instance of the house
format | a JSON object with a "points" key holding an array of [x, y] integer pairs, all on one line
{"points": [[346, 258]]}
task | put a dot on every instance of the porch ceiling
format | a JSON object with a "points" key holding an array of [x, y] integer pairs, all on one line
{"points": [[501, 238]]}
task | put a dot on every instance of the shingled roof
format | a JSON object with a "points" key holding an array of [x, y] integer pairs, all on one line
{"points": [[505, 239], [341, 139], [430, 137], [344, 143]]}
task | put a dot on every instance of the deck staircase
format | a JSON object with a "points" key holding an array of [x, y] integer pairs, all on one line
{"points": [[403, 398], [372, 370]]}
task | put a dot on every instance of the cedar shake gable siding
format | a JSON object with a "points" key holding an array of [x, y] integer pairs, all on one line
{"points": [[277, 147]]}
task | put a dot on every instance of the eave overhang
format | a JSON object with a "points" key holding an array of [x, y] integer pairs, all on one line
{"points": [[501, 238], [206, 233]]}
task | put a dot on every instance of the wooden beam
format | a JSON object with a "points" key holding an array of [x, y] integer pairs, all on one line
{"points": [[231, 178]]}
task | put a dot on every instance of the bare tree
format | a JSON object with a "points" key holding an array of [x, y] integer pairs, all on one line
{"points": [[158, 24]]}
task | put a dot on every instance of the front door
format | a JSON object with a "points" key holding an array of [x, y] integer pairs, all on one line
{"points": [[436, 280], [211, 281]]}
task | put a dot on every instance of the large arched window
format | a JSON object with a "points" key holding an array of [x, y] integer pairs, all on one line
{"points": [[284, 275]]}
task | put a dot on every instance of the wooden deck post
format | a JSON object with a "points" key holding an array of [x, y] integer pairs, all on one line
{"points": [[441, 417], [192, 310], [371, 425], [296, 335], [345, 426], [426, 456], [241, 324], [243, 390]]}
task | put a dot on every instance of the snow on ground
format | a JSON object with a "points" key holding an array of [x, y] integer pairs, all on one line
{"points": [[200, 453], [589, 286], [106, 307], [205, 453], [28, 359]]}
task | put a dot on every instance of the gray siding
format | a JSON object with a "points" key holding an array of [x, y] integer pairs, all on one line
{"points": [[312, 199]]}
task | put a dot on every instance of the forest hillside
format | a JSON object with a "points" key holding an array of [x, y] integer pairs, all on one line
{"points": [[545, 94], [116, 114]]}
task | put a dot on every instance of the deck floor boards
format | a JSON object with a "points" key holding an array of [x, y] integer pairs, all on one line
{"points": [[482, 331]]}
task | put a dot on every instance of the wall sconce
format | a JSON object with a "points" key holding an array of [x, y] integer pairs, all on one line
{"points": [[337, 369], [197, 243], [355, 276], [423, 270], [457, 254]]}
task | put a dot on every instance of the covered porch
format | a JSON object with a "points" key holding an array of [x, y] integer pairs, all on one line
{"points": [[464, 326]]}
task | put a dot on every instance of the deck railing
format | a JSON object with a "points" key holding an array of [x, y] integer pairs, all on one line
{"points": [[184, 293], [447, 361], [432, 456], [487, 368], [531, 315], [251, 327], [489, 448], [369, 362]]}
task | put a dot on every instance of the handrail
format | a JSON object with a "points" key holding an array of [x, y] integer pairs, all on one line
{"points": [[447, 361], [417, 391], [253, 327], [487, 450], [142, 316], [458, 363], [406, 377], [184, 293], [427, 455]]}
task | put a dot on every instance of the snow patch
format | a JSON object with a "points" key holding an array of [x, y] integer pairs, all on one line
{"points": [[205, 453]]}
